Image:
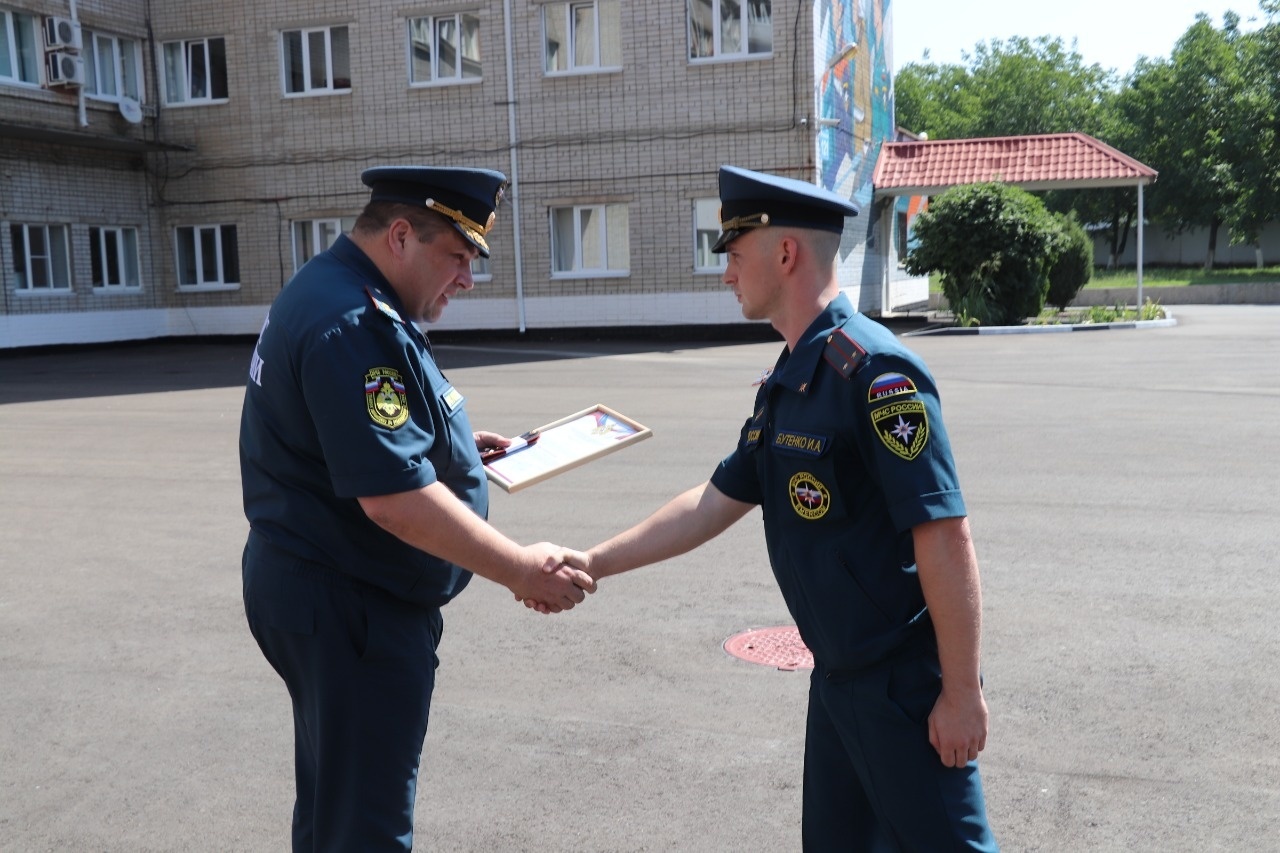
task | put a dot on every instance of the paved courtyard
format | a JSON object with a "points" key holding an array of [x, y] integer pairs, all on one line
{"points": [[1122, 486]]}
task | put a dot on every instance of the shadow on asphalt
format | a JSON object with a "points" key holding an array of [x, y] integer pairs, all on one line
{"points": [[144, 367], [186, 364]]}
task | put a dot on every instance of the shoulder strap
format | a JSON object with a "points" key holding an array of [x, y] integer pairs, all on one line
{"points": [[843, 353]]}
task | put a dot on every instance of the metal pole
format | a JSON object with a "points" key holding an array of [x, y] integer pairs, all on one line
{"points": [[1140, 242], [515, 170]]}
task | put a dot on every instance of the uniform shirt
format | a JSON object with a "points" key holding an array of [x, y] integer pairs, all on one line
{"points": [[344, 401], [845, 452]]}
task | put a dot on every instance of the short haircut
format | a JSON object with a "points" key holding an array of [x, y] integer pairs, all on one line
{"points": [[377, 216], [821, 245], [824, 244]]}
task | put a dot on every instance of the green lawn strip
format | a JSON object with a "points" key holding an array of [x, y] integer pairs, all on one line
{"points": [[1167, 277], [1182, 277]]}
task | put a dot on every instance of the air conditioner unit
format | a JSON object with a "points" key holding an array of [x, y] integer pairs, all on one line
{"points": [[65, 69], [62, 34]]}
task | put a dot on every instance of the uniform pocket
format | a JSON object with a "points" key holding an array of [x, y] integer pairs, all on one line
{"points": [[276, 597], [351, 607], [913, 687]]}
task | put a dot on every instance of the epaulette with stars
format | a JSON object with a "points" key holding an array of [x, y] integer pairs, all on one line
{"points": [[843, 353], [381, 304]]}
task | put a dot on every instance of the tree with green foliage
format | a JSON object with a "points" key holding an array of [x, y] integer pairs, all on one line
{"points": [[1114, 211], [1253, 137], [1207, 119], [1072, 268], [992, 245], [1018, 86], [1183, 110], [937, 99], [1022, 86]]}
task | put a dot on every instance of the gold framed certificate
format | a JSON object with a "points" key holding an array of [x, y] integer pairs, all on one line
{"points": [[549, 450]]}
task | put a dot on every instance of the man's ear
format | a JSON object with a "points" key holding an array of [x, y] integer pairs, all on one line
{"points": [[788, 253], [399, 233]]}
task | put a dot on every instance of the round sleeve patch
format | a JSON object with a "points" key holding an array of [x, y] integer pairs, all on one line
{"points": [[385, 398], [903, 427]]}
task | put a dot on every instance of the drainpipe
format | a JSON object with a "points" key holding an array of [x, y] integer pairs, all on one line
{"points": [[83, 117], [515, 169]]}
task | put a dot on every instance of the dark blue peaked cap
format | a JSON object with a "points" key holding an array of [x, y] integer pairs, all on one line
{"points": [[754, 200], [467, 197]]}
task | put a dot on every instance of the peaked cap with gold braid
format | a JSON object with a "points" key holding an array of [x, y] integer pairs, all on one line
{"points": [[756, 200], [466, 197]]}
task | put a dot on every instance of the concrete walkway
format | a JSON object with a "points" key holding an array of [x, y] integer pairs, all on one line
{"points": [[1126, 535]]}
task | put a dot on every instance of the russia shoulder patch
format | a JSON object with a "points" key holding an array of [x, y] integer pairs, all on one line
{"points": [[843, 353], [890, 385]]}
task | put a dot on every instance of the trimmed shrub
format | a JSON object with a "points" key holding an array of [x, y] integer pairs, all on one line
{"points": [[1073, 267], [992, 245]]}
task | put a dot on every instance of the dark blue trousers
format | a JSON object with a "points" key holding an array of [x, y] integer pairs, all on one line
{"points": [[872, 781], [360, 667]]}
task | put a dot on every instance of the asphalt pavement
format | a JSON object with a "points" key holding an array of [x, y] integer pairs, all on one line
{"points": [[1122, 491]]}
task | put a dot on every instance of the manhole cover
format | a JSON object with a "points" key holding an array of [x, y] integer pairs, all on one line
{"points": [[779, 647]]}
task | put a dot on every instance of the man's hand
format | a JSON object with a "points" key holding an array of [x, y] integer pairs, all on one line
{"points": [[554, 585], [487, 440], [958, 726], [570, 563]]}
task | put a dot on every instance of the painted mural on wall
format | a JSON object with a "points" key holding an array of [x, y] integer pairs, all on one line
{"points": [[854, 98]]}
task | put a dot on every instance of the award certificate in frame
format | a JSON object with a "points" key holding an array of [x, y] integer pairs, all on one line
{"points": [[567, 443]]}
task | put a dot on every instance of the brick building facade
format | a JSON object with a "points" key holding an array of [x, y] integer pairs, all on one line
{"points": [[164, 166]]}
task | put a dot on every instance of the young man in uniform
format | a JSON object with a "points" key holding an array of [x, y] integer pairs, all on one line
{"points": [[867, 535], [367, 501]]}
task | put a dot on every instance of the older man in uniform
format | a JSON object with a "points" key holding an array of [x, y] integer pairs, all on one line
{"points": [[867, 535], [367, 501]]}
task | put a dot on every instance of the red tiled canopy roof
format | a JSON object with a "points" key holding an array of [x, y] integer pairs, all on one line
{"points": [[1044, 162]]}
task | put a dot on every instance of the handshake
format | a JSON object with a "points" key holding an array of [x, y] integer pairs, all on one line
{"points": [[557, 580]]}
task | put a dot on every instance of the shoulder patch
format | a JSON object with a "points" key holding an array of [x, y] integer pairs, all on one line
{"points": [[382, 305], [843, 353], [385, 398], [903, 427], [890, 385]]}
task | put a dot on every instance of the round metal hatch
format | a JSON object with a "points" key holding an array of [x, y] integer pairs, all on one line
{"points": [[779, 647]]}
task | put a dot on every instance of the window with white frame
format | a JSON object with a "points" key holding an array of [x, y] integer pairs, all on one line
{"points": [[41, 257], [207, 255], [582, 37], [444, 48], [313, 236], [706, 230], [480, 270], [113, 261], [112, 67], [195, 71], [590, 240], [19, 48], [724, 29], [316, 61]]}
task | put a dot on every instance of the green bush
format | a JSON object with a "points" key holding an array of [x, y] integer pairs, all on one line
{"points": [[1073, 267], [992, 245]]}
